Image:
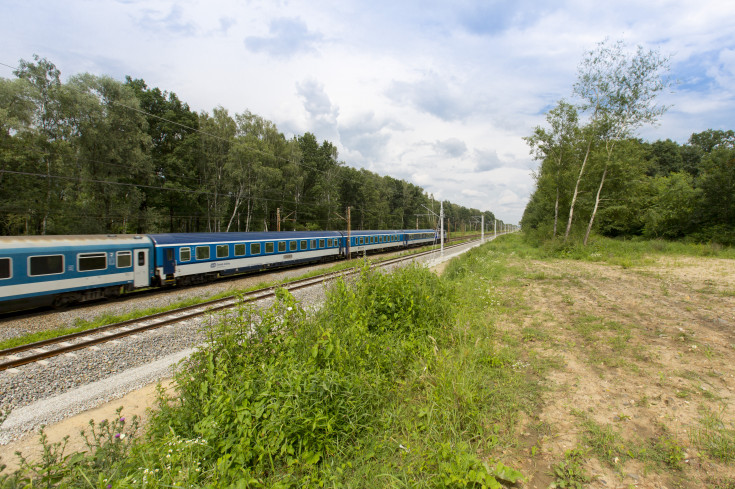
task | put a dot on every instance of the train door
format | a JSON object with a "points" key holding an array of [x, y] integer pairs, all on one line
{"points": [[141, 277], [169, 263]]}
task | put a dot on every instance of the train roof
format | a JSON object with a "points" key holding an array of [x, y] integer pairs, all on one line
{"points": [[369, 232], [48, 241], [209, 238]]}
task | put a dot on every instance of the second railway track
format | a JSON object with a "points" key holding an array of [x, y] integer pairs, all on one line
{"points": [[33, 352]]}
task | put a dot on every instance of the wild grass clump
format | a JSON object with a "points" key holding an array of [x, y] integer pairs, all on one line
{"points": [[617, 251], [276, 395], [398, 379], [714, 436]]}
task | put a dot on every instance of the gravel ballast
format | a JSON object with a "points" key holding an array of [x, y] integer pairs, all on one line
{"points": [[44, 393]]}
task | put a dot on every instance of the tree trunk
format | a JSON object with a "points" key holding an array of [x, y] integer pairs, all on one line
{"points": [[238, 201], [597, 203], [248, 214], [576, 191], [556, 210]]}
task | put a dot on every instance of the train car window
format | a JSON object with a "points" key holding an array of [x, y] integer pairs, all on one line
{"points": [[281, 246], [329, 243], [254, 248], [269, 247], [304, 245], [185, 254], [223, 251], [169, 254], [141, 258], [321, 243], [46, 265], [124, 259], [313, 244], [240, 249], [88, 262], [292, 245], [202, 252], [6, 268]]}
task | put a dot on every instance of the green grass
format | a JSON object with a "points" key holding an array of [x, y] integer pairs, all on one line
{"points": [[105, 319], [623, 252], [400, 379], [714, 437]]}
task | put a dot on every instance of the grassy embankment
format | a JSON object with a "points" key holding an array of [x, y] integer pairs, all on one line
{"points": [[105, 319], [401, 380]]}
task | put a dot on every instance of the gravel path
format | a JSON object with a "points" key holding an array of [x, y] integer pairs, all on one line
{"points": [[46, 392]]}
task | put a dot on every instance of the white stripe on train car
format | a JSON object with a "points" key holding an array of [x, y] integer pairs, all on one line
{"points": [[184, 269], [30, 289]]}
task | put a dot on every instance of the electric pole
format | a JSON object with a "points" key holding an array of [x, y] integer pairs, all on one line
{"points": [[441, 218]]}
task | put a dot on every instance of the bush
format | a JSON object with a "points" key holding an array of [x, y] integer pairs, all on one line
{"points": [[271, 396]]}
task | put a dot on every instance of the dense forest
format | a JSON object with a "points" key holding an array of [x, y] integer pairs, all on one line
{"points": [[96, 155], [596, 175]]}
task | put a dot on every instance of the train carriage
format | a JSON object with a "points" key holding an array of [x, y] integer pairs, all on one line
{"points": [[198, 257], [57, 270], [364, 241], [420, 237]]}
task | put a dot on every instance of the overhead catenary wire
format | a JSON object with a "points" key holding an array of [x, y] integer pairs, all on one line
{"points": [[336, 175], [215, 136]]}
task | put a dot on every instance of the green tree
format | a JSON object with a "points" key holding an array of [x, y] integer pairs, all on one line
{"points": [[620, 90], [670, 214], [717, 184], [712, 139], [113, 152], [174, 152], [665, 157], [555, 148], [217, 138]]}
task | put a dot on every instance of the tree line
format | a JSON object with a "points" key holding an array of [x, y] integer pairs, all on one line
{"points": [[595, 174], [97, 155]]}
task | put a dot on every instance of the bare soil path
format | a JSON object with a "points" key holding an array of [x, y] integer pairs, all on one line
{"points": [[644, 361]]}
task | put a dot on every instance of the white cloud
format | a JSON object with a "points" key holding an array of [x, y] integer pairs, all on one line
{"points": [[440, 93], [286, 38]]}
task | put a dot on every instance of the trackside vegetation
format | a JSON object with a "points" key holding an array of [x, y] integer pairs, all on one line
{"points": [[398, 380], [96, 155], [496, 373]]}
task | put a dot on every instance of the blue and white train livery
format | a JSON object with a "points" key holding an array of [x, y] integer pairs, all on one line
{"points": [[198, 257], [58, 270]]}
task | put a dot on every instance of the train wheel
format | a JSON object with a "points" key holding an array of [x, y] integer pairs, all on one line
{"points": [[62, 301]]}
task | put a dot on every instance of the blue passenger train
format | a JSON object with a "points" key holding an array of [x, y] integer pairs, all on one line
{"points": [[40, 271]]}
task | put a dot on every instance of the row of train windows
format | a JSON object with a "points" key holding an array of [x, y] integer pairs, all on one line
{"points": [[376, 239], [54, 264], [223, 251]]}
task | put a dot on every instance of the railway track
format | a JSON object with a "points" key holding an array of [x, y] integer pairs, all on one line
{"points": [[42, 350]]}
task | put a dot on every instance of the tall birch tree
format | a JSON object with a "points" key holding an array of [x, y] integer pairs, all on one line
{"points": [[620, 89], [555, 146]]}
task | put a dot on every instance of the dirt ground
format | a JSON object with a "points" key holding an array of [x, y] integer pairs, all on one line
{"points": [[639, 356], [136, 403]]}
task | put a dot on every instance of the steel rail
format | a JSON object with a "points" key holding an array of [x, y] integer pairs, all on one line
{"points": [[172, 316]]}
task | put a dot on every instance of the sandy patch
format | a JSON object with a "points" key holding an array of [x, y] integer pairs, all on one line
{"points": [[645, 351], [135, 403]]}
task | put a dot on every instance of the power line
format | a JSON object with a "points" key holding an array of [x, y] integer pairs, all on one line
{"points": [[200, 131]]}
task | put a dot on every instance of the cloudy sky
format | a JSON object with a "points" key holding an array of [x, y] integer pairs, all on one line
{"points": [[439, 93]]}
